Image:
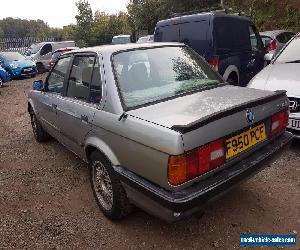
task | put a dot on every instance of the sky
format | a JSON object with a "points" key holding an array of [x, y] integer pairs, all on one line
{"points": [[57, 13]]}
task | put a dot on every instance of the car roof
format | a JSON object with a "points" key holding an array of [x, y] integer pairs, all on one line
{"points": [[110, 49], [65, 48], [199, 17], [54, 42], [273, 33], [120, 36]]}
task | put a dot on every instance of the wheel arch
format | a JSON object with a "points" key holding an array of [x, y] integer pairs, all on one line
{"points": [[230, 70], [30, 107], [95, 144]]}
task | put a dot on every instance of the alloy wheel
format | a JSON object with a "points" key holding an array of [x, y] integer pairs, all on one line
{"points": [[102, 185]]}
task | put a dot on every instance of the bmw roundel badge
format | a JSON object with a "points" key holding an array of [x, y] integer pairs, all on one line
{"points": [[250, 117]]}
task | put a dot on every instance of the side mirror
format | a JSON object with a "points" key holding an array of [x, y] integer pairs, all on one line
{"points": [[38, 85]]}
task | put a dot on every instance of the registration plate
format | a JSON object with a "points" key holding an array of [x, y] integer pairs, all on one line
{"points": [[239, 143], [27, 70], [294, 124]]}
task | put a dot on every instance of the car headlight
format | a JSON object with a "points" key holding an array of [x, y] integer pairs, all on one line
{"points": [[13, 65]]}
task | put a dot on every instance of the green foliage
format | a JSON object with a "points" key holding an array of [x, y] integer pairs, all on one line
{"points": [[84, 20], [1, 33], [146, 13], [270, 14], [19, 28]]}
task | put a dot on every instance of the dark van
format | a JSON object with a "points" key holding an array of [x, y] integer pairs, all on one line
{"points": [[230, 43]]}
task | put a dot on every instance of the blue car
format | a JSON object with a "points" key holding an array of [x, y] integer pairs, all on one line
{"points": [[3, 76], [230, 43], [16, 65]]}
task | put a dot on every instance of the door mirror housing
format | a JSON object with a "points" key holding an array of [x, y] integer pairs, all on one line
{"points": [[38, 85]]}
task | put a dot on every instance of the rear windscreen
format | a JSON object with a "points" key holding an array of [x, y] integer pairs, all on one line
{"points": [[231, 34]]}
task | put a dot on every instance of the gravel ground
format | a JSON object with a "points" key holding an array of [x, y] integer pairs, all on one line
{"points": [[46, 201]]}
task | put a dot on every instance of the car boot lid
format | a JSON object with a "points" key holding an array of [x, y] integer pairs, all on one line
{"points": [[186, 112]]}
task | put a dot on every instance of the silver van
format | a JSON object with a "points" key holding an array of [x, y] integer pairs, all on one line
{"points": [[41, 53]]}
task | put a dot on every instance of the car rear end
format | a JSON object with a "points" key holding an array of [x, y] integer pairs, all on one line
{"points": [[198, 136], [221, 150]]}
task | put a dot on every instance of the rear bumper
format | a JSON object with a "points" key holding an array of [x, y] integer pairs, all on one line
{"points": [[173, 206]]}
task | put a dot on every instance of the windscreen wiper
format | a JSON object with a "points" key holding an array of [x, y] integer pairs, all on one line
{"points": [[295, 61]]}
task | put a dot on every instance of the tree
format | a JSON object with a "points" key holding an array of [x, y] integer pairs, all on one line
{"points": [[1, 33], [84, 20]]}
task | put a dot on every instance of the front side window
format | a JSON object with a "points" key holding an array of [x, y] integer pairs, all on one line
{"points": [[47, 48], [56, 78], [151, 75]]}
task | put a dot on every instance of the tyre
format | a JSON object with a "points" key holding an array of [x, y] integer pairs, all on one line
{"points": [[39, 133], [233, 80], [10, 76], [40, 68], [1, 82], [107, 188]]}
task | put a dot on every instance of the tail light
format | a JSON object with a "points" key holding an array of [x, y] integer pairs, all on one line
{"points": [[279, 122], [196, 162], [272, 45], [51, 62], [214, 62]]}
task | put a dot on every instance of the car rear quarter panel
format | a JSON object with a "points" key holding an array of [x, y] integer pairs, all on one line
{"points": [[138, 145]]}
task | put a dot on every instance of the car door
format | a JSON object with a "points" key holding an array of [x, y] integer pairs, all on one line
{"points": [[256, 62], [82, 99], [46, 53], [51, 96]]}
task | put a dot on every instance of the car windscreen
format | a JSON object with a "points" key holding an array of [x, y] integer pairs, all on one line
{"points": [[151, 75], [34, 48], [121, 40], [291, 53], [12, 56]]}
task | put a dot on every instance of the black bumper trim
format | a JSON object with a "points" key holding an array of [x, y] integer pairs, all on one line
{"points": [[208, 189]]}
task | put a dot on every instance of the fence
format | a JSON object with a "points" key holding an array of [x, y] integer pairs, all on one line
{"points": [[20, 44]]}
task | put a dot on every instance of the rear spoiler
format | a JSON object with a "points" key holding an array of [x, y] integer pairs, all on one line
{"points": [[235, 109]]}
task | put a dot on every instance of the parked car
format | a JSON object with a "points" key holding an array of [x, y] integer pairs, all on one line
{"points": [[17, 65], [3, 76], [274, 41], [284, 73], [57, 53], [146, 39], [222, 39], [166, 134], [41, 53], [121, 39]]}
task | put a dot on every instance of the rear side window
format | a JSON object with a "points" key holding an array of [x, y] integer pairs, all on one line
{"points": [[285, 37], [85, 82], [231, 34], [168, 33], [194, 34]]}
